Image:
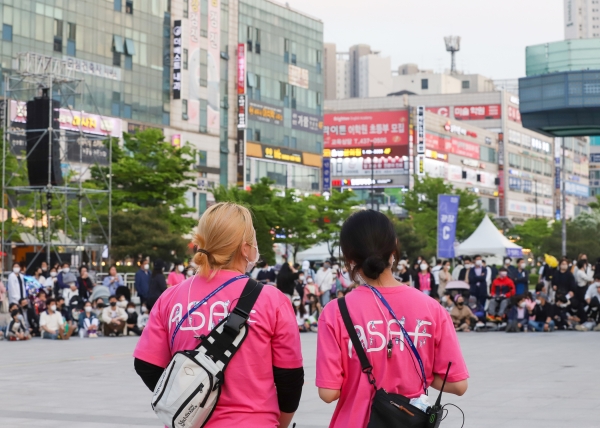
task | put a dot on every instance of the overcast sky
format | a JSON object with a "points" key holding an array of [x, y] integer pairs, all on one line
{"points": [[494, 32]]}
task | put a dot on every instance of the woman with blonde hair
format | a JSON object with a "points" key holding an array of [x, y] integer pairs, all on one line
{"points": [[265, 376]]}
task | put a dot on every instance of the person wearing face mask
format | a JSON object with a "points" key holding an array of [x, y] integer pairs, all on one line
{"points": [[85, 284], [521, 277], [31, 318], [503, 288], [60, 284], [310, 289], [445, 277], [189, 272], [88, 322], [543, 314], [52, 323], [113, 318], [324, 280], [265, 378], [71, 291], [15, 285], [142, 281], [477, 279], [517, 314], [50, 284], [113, 281], [44, 267], [158, 283], [176, 275], [132, 320], [464, 273], [512, 271], [98, 306], [16, 330], [582, 279], [563, 281], [462, 317], [425, 281], [143, 317]]}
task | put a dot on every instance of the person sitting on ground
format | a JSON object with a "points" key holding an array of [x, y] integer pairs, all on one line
{"points": [[593, 291], [32, 321], [40, 303], [518, 316], [476, 308], [70, 289], [462, 317], [60, 284], [50, 282], [314, 306], [132, 320], [503, 288], [52, 323], [593, 317], [64, 310], [543, 314], [301, 315], [98, 306], [85, 284], [143, 318], [561, 313], [113, 280], [16, 330], [113, 319], [88, 322]]}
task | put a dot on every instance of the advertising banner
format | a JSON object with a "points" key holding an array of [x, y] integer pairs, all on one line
{"points": [[241, 85], [420, 130], [447, 217], [214, 67], [241, 158], [380, 128], [452, 145], [307, 122], [93, 68], [362, 166], [514, 114], [177, 53], [479, 112], [297, 76], [326, 175], [594, 157], [442, 111], [194, 60], [265, 113], [420, 165]]}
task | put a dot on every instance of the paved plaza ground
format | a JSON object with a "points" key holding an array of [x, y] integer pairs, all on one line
{"points": [[517, 381]]}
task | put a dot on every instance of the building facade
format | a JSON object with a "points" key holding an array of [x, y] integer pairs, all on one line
{"points": [[375, 77], [284, 89], [582, 19]]}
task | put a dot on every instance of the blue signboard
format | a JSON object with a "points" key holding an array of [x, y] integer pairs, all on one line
{"points": [[594, 157], [326, 174], [447, 217]]}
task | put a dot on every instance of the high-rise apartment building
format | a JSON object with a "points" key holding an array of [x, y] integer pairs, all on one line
{"points": [[330, 71], [374, 76], [356, 53], [582, 19], [342, 77]]}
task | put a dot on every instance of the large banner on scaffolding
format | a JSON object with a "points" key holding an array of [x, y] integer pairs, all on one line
{"points": [[83, 133]]}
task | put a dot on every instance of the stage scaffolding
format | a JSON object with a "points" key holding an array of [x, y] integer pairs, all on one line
{"points": [[54, 219]]}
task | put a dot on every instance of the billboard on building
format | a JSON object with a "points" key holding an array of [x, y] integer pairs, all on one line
{"points": [[194, 60], [298, 76], [177, 52], [307, 122], [366, 129], [265, 113], [478, 112], [214, 67], [442, 111], [452, 145]]}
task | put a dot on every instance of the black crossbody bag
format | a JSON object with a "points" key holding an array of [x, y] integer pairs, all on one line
{"points": [[391, 410]]}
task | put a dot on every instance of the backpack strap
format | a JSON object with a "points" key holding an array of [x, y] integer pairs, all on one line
{"points": [[226, 338], [367, 368]]}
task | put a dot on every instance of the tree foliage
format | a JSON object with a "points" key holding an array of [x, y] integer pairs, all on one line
{"points": [[421, 202], [410, 243], [532, 234], [146, 232]]}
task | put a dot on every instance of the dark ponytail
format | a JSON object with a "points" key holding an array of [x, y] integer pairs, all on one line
{"points": [[368, 241]]}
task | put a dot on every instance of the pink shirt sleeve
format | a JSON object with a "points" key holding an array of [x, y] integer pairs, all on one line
{"points": [[172, 279], [285, 343], [329, 355], [153, 347], [447, 348]]}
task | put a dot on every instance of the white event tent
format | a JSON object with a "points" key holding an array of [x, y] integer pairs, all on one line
{"points": [[487, 240]]}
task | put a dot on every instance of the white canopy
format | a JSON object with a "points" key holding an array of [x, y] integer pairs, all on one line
{"points": [[488, 241], [317, 253]]}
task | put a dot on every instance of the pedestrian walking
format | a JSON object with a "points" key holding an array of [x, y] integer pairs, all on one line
{"points": [[369, 245], [264, 380]]}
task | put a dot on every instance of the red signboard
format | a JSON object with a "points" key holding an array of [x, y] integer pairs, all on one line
{"points": [[241, 57], [492, 111], [514, 114], [452, 145], [442, 111], [367, 129]]}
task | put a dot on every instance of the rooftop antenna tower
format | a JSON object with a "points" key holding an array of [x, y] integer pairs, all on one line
{"points": [[452, 46]]}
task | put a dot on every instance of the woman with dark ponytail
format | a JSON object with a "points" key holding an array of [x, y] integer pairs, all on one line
{"points": [[409, 338]]}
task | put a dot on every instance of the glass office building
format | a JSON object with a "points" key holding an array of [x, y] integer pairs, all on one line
{"points": [[116, 45], [284, 51]]}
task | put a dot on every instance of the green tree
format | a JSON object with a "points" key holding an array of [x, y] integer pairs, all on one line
{"points": [[582, 237], [149, 172], [421, 202], [410, 243], [297, 221], [260, 200], [146, 232], [330, 215], [531, 234]]}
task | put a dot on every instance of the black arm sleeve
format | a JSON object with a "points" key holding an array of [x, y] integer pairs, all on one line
{"points": [[289, 384], [149, 373]]}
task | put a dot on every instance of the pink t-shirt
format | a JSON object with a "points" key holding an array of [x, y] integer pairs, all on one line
{"points": [[425, 320], [424, 281], [175, 278], [248, 397]]}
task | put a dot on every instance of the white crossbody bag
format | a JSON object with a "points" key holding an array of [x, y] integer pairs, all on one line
{"points": [[188, 390]]}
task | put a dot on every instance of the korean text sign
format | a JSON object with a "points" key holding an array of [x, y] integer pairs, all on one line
{"points": [[447, 218], [366, 129]]}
